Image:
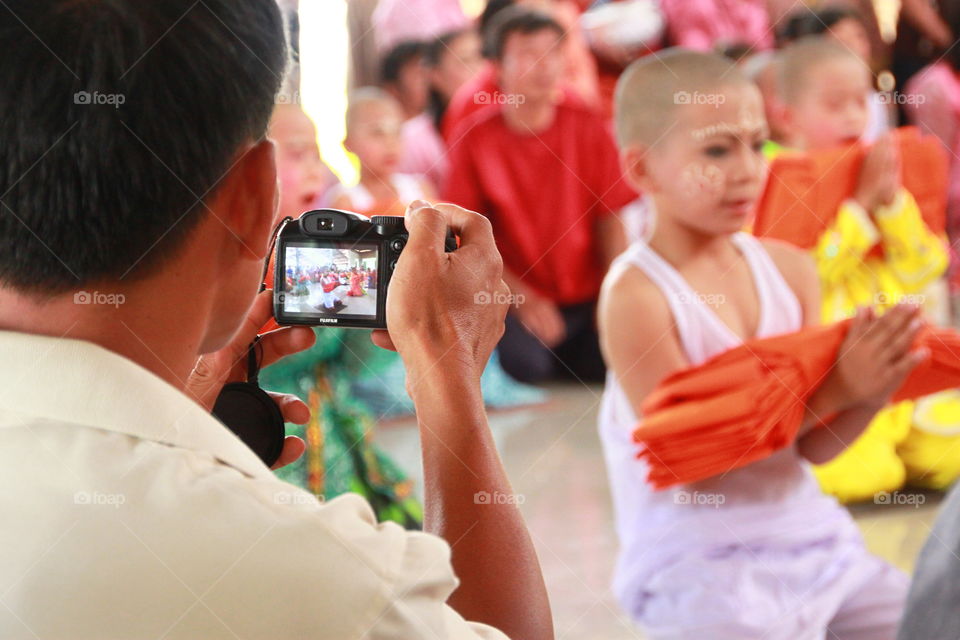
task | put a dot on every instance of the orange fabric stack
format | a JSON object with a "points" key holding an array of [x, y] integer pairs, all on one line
{"points": [[805, 189], [746, 403]]}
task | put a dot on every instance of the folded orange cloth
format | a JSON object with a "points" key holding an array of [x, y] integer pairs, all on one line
{"points": [[746, 403], [805, 189]]}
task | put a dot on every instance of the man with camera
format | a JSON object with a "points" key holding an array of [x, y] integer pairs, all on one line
{"points": [[129, 511]]}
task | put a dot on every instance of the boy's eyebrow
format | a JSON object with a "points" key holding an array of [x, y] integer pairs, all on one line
{"points": [[725, 129]]}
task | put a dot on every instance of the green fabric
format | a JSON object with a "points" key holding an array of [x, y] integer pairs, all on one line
{"points": [[354, 384], [351, 461]]}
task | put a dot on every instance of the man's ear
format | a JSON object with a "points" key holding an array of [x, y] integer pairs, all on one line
{"points": [[634, 161], [248, 199]]}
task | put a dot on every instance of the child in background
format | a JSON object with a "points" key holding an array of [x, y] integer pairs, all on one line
{"points": [[451, 60], [825, 89], [373, 134], [759, 551], [304, 178], [405, 78], [763, 69], [845, 26]]}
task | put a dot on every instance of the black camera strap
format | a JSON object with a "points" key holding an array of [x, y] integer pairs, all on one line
{"points": [[273, 244], [251, 413]]}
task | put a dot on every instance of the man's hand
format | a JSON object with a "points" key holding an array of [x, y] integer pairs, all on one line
{"points": [[445, 314], [442, 306], [214, 370]]}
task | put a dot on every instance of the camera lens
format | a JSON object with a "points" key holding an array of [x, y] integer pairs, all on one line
{"points": [[325, 224]]}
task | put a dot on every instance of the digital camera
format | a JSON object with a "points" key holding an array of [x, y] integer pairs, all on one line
{"points": [[334, 267]]}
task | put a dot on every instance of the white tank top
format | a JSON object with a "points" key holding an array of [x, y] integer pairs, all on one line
{"points": [[772, 501]]}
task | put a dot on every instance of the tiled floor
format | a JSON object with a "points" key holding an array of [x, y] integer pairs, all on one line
{"points": [[554, 459]]}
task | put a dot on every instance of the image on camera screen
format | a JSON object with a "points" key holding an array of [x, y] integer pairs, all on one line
{"points": [[329, 282]]}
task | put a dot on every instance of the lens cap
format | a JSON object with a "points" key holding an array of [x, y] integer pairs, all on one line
{"points": [[251, 413]]}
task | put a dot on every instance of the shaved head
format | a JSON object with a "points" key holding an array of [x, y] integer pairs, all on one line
{"points": [[650, 90], [801, 59]]}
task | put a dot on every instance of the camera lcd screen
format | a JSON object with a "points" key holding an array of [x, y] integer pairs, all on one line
{"points": [[331, 279]]}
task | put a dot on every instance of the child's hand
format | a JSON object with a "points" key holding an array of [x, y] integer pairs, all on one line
{"points": [[879, 175], [874, 359]]}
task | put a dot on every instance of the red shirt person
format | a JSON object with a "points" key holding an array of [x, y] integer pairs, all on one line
{"points": [[545, 170]]}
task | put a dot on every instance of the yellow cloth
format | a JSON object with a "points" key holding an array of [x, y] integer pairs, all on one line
{"points": [[891, 449], [870, 464], [931, 451], [850, 276]]}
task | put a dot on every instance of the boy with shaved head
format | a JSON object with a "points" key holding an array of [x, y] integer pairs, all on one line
{"points": [[758, 551]]}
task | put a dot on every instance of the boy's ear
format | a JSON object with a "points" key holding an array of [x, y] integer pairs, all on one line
{"points": [[247, 199], [786, 119], [633, 158]]}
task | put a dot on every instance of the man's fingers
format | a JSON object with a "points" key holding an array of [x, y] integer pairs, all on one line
{"points": [[284, 342], [261, 311], [292, 408], [293, 448], [427, 227], [474, 229], [381, 338]]}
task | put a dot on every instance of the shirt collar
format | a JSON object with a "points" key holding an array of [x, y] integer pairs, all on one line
{"points": [[78, 382]]}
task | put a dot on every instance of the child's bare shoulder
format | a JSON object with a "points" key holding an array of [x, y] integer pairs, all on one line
{"points": [[629, 297]]}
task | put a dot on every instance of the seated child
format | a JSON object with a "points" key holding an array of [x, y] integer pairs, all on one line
{"points": [[374, 119], [824, 90], [760, 551], [452, 60]]}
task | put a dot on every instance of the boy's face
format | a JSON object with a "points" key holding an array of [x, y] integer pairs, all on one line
{"points": [[531, 65], [831, 109], [303, 176], [708, 170], [374, 135]]}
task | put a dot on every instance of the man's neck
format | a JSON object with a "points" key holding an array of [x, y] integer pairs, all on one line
{"points": [[531, 116], [162, 338]]}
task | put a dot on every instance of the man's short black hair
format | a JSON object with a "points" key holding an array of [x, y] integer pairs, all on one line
{"points": [[490, 12], [117, 119], [515, 19], [398, 57]]}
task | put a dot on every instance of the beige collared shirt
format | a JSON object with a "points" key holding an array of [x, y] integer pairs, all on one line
{"points": [[126, 511]]}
